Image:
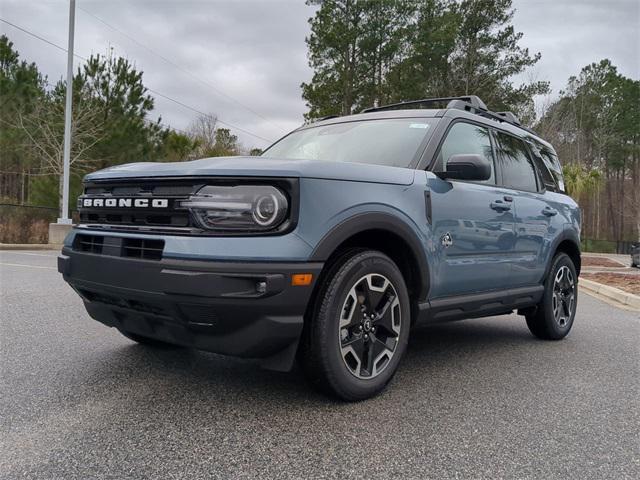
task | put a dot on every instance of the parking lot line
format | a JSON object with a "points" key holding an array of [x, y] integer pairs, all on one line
{"points": [[28, 266]]}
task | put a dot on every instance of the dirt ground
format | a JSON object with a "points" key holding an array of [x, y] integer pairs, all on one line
{"points": [[600, 262], [628, 283]]}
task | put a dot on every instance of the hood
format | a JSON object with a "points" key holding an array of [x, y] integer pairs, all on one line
{"points": [[259, 167]]}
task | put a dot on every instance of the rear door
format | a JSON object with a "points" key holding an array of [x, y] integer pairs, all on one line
{"points": [[472, 222], [534, 217]]}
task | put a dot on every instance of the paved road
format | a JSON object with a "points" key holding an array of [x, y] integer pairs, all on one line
{"points": [[474, 399]]}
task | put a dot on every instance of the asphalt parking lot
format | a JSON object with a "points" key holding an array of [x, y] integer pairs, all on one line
{"points": [[472, 399]]}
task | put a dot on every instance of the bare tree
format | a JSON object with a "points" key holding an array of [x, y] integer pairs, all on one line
{"points": [[203, 131], [44, 129]]}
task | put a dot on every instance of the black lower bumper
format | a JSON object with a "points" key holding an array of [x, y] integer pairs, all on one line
{"points": [[248, 310]]}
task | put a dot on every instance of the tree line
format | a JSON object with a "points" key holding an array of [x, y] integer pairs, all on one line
{"points": [[362, 53], [112, 123], [371, 52], [595, 127]]}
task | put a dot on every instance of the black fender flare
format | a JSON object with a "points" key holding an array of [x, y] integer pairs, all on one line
{"points": [[375, 221], [568, 233]]}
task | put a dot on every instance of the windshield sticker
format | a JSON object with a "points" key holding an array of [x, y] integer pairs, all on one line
{"points": [[419, 125]]}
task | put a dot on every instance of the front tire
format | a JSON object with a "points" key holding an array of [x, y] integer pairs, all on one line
{"points": [[553, 317], [358, 330]]}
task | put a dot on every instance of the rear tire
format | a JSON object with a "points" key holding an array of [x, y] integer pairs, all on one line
{"points": [[553, 317], [358, 329], [150, 342]]}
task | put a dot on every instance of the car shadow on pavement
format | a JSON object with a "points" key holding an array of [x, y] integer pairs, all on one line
{"points": [[171, 372]]}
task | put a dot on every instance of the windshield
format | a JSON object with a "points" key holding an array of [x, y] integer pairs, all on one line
{"points": [[393, 142]]}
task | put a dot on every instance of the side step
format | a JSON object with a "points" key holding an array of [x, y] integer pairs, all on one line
{"points": [[476, 305]]}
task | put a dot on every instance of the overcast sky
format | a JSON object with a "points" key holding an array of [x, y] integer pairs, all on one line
{"points": [[244, 60]]}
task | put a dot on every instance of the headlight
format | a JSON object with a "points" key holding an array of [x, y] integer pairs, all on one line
{"points": [[242, 207]]}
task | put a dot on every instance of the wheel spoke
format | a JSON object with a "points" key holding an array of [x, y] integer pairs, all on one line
{"points": [[353, 353], [373, 350], [370, 298], [385, 319], [563, 296], [370, 323]]}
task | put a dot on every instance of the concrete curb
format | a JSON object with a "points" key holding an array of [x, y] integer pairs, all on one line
{"points": [[629, 300], [30, 246]]}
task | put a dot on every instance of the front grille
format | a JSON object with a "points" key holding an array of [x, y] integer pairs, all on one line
{"points": [[141, 248], [143, 219], [130, 205], [89, 243]]}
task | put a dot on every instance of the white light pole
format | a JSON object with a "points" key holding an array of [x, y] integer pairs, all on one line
{"points": [[64, 209]]}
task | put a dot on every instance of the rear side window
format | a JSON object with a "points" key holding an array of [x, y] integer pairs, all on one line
{"points": [[549, 166], [466, 138], [517, 168]]}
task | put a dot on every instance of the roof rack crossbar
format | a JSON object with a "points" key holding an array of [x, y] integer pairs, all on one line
{"points": [[472, 100]]}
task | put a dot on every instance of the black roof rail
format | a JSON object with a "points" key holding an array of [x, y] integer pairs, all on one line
{"points": [[469, 103], [509, 117], [326, 117], [469, 100]]}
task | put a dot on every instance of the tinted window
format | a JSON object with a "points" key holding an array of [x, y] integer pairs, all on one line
{"points": [[517, 170], [547, 178], [392, 142], [466, 138], [551, 169]]}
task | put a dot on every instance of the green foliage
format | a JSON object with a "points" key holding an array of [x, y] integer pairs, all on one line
{"points": [[21, 87], [110, 118], [366, 52], [580, 181], [116, 87], [175, 147], [226, 144], [45, 190], [595, 127]]}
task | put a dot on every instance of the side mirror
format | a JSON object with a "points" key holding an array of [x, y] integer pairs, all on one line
{"points": [[467, 166]]}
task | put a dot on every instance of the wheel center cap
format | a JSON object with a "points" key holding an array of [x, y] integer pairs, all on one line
{"points": [[367, 325]]}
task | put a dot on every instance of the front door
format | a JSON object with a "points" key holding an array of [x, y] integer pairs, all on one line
{"points": [[472, 223]]}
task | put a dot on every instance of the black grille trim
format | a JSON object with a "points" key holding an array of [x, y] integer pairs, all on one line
{"points": [[140, 248]]}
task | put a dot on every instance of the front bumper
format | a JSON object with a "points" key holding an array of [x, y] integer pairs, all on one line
{"points": [[245, 309]]}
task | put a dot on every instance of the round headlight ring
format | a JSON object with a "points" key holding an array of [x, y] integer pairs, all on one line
{"points": [[265, 210]]}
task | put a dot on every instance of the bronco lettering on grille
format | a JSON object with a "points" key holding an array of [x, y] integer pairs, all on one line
{"points": [[125, 202]]}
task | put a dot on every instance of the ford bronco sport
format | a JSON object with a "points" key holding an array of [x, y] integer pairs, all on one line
{"points": [[334, 243]]}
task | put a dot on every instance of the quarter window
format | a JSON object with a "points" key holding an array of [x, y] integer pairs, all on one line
{"points": [[518, 171], [550, 168], [466, 138]]}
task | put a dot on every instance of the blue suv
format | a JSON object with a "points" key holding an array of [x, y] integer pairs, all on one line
{"points": [[333, 244]]}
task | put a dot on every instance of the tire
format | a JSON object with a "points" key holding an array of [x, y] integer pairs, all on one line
{"points": [[150, 342], [346, 355], [553, 317]]}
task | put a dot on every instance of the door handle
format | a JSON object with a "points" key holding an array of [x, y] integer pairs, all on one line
{"points": [[549, 212], [500, 206]]}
